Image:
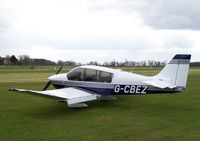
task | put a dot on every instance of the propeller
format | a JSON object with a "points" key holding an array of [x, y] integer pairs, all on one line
{"points": [[49, 82], [47, 85], [59, 69]]}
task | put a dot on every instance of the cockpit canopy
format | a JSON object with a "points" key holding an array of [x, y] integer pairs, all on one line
{"points": [[86, 74]]}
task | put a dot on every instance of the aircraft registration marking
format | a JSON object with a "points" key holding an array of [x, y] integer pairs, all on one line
{"points": [[130, 89]]}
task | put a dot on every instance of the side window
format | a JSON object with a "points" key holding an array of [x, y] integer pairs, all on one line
{"points": [[76, 74], [105, 77], [90, 75]]}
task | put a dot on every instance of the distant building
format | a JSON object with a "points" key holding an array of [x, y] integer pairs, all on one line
{"points": [[6, 61], [41, 62], [1, 61]]}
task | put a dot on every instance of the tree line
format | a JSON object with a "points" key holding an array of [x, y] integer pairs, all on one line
{"points": [[23, 60], [26, 60]]}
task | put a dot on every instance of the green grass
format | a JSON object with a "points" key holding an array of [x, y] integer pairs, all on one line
{"points": [[142, 118]]}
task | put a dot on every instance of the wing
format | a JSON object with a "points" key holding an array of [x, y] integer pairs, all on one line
{"points": [[159, 84], [70, 94]]}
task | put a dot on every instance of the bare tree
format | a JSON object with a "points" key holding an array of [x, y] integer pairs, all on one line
{"points": [[7, 60], [24, 60], [60, 62]]}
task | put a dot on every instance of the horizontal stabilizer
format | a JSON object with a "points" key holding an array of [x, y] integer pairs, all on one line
{"points": [[159, 84]]}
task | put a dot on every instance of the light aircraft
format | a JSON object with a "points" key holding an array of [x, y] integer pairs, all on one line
{"points": [[86, 83]]}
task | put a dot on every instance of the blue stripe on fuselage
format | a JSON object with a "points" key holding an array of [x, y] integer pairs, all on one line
{"points": [[123, 90]]}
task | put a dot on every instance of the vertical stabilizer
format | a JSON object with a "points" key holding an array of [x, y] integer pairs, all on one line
{"points": [[176, 71]]}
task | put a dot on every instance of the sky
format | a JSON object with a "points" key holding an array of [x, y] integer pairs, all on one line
{"points": [[100, 30]]}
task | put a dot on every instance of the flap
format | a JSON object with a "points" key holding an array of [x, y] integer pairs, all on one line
{"points": [[73, 95]]}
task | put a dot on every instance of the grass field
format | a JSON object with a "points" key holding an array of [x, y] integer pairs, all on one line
{"points": [[142, 118]]}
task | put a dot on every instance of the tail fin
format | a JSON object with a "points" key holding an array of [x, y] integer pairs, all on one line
{"points": [[176, 71]]}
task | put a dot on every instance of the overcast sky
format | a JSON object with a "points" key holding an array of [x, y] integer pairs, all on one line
{"points": [[100, 30]]}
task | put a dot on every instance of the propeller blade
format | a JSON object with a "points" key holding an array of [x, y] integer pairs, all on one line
{"points": [[47, 85], [59, 70], [49, 82]]}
